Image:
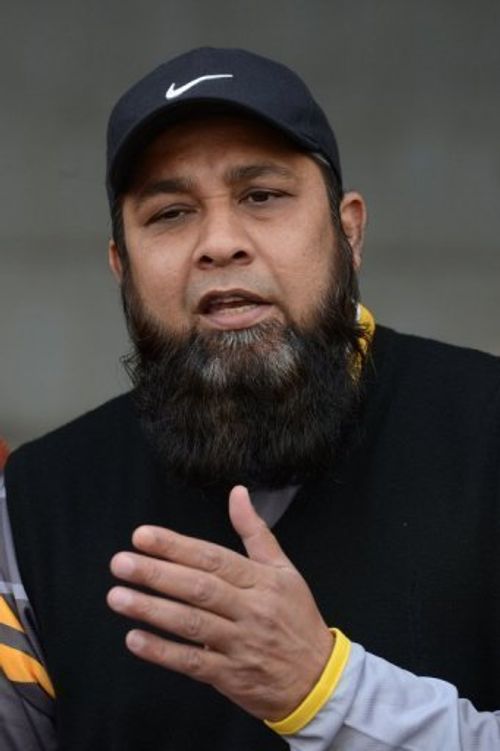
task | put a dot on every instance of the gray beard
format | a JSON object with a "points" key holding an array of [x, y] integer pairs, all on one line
{"points": [[260, 353], [265, 406]]}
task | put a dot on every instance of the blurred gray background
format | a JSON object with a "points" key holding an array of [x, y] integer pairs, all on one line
{"points": [[411, 87]]}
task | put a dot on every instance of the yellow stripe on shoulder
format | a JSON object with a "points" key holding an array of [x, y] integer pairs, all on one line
{"points": [[21, 668], [7, 617]]}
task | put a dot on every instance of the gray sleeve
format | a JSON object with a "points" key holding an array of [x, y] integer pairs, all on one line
{"points": [[380, 707], [26, 692]]}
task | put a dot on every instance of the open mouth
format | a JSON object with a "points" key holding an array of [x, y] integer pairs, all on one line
{"points": [[232, 308]]}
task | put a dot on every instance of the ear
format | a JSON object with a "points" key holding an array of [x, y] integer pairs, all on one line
{"points": [[114, 260], [353, 218]]}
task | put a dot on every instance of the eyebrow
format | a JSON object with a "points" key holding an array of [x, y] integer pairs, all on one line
{"points": [[167, 185], [233, 175], [252, 171]]}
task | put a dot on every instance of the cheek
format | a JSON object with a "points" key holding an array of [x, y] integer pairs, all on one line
{"points": [[304, 269], [160, 284]]}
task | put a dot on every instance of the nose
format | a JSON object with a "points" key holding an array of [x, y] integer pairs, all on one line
{"points": [[223, 239]]}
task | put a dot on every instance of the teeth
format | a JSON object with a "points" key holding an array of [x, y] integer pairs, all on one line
{"points": [[231, 306], [231, 302], [235, 308]]}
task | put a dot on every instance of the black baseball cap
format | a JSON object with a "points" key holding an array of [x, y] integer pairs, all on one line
{"points": [[215, 77]]}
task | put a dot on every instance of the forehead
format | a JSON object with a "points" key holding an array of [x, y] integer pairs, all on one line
{"points": [[213, 141]]}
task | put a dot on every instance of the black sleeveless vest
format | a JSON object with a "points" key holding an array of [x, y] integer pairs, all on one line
{"points": [[399, 543]]}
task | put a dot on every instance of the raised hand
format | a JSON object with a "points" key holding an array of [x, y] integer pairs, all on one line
{"points": [[255, 631]]}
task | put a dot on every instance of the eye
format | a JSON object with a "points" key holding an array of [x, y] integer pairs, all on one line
{"points": [[170, 215], [261, 196]]}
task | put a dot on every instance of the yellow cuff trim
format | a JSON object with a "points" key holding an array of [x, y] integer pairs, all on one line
{"points": [[321, 692]]}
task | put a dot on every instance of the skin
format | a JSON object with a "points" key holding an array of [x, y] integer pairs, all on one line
{"points": [[228, 205], [258, 637]]}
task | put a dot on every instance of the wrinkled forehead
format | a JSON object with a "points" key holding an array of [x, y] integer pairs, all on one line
{"points": [[199, 128]]}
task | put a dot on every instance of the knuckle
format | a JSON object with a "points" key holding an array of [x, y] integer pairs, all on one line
{"points": [[265, 615], [193, 623], [153, 575], [266, 621], [211, 559], [168, 545], [145, 608], [193, 661], [203, 590], [246, 680], [161, 652], [276, 584]]}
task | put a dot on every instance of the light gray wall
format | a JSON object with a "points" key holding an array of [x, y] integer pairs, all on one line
{"points": [[411, 86]]}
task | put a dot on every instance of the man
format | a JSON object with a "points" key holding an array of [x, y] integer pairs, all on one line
{"points": [[373, 455]]}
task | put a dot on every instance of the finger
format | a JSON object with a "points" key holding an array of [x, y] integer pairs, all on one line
{"points": [[195, 662], [173, 617], [195, 587], [260, 543], [197, 554]]}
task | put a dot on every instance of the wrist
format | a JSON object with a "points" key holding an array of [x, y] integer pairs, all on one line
{"points": [[321, 691]]}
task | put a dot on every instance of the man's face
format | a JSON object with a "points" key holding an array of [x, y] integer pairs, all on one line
{"points": [[240, 300], [227, 226]]}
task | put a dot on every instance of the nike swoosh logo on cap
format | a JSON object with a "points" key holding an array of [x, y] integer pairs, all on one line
{"points": [[172, 92]]}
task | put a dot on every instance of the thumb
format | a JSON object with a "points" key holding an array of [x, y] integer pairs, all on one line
{"points": [[260, 543]]}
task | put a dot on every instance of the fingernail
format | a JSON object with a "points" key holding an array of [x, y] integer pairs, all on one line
{"points": [[123, 564], [135, 641], [144, 536], [119, 598]]}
